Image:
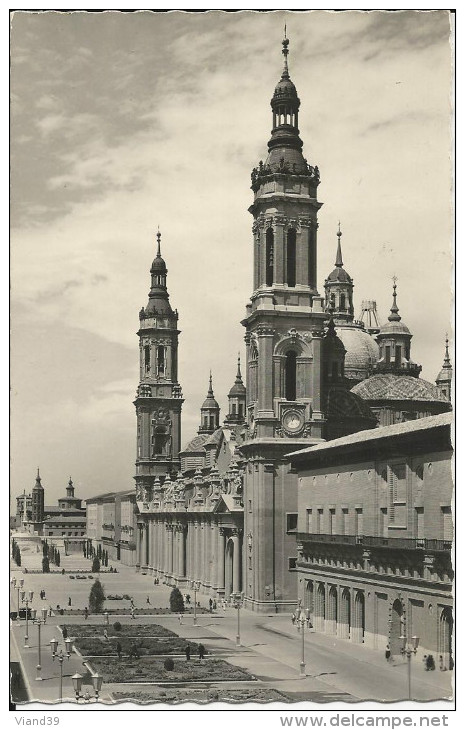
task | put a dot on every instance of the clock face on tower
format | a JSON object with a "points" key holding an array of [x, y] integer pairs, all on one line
{"points": [[293, 421]]}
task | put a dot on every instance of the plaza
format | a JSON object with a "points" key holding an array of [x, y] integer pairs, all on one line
{"points": [[270, 646]]}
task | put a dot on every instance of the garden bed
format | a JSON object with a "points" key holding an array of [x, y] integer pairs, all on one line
{"points": [[126, 611], [246, 694], [96, 646], [148, 669], [134, 630]]}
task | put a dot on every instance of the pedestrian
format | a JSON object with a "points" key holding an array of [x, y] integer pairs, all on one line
{"points": [[188, 598], [44, 594], [201, 651], [69, 600], [105, 634], [309, 623], [180, 619], [64, 631], [86, 613], [430, 665], [441, 663], [132, 612], [210, 603], [425, 659], [387, 654], [188, 652], [293, 619], [119, 650], [49, 610], [224, 605], [214, 605], [148, 600]]}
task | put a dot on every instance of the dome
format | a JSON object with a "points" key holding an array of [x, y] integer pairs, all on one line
{"points": [[361, 351], [445, 374], [237, 389], [158, 265], [339, 275], [158, 305], [398, 387], [342, 403], [215, 437], [197, 443], [285, 87], [394, 328], [210, 402]]}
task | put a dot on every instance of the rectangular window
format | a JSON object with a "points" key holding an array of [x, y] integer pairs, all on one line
{"points": [[319, 520], [345, 521], [447, 526], [309, 520], [398, 355], [419, 522], [388, 353], [397, 481], [147, 358], [358, 521], [292, 563], [383, 526], [332, 521], [291, 522]]}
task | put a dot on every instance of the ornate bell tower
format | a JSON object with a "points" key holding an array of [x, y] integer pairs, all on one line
{"points": [[284, 330], [159, 397]]}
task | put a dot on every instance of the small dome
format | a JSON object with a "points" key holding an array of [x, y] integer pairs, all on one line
{"points": [[158, 265], [285, 87], [210, 402], [158, 305], [339, 275], [237, 390], [398, 387], [361, 352], [445, 375], [394, 328]]}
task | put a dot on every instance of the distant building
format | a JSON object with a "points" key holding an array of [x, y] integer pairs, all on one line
{"points": [[374, 535], [111, 523]]}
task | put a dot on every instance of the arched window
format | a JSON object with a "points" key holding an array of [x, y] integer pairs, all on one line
{"points": [[233, 409], [147, 358], [291, 257], [342, 301], [241, 409], [290, 375], [212, 421], [269, 256], [161, 360]]}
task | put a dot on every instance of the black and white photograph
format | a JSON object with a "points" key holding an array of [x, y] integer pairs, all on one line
{"points": [[232, 356]]}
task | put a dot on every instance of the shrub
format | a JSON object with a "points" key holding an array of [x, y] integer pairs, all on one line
{"points": [[117, 626], [96, 565], [96, 597], [176, 601], [168, 664], [45, 565]]}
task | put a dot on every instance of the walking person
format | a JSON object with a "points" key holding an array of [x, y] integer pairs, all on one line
{"points": [[387, 654], [132, 612], [210, 603], [105, 634], [188, 598], [293, 618], [441, 663], [148, 600], [430, 665], [64, 632], [180, 619], [201, 651], [69, 600], [424, 660], [188, 652], [86, 613]]}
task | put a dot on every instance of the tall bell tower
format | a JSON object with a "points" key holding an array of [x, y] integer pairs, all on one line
{"points": [[284, 330], [159, 397]]}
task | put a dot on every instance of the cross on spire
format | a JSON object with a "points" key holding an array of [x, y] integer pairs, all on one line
{"points": [[158, 243]]}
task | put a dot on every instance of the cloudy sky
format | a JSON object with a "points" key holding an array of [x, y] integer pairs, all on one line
{"points": [[123, 122]]}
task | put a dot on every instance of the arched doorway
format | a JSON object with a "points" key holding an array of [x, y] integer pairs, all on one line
{"points": [[320, 608], [309, 599], [229, 566], [358, 626], [397, 627], [445, 636], [331, 621], [344, 615]]}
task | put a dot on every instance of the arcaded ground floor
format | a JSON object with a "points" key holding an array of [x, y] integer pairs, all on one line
{"points": [[379, 613]]}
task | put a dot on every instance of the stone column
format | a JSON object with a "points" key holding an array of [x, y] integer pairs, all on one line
{"points": [[265, 363], [221, 549], [143, 557], [302, 263], [236, 562], [138, 547], [279, 250], [181, 559]]}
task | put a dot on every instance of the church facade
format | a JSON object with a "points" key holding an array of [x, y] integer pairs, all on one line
{"points": [[221, 513]]}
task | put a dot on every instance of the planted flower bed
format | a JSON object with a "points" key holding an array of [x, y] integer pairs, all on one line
{"points": [[95, 646], [246, 694], [126, 611], [148, 669], [137, 631]]}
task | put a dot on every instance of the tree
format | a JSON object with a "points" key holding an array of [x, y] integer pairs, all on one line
{"points": [[96, 597], [106, 559], [18, 557], [45, 565], [84, 549], [57, 558], [176, 601], [96, 565], [13, 547]]}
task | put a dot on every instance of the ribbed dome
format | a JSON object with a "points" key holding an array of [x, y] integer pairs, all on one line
{"points": [[445, 374], [395, 328], [339, 274], [285, 87], [197, 443], [361, 351], [210, 402], [342, 403], [158, 266], [398, 387]]}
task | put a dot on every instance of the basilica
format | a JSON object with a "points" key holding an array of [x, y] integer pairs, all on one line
{"points": [[221, 513]]}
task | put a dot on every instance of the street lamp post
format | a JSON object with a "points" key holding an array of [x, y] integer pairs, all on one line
{"points": [[39, 621], [195, 585], [27, 601], [237, 600], [409, 648], [97, 682], [61, 657], [300, 622]]}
